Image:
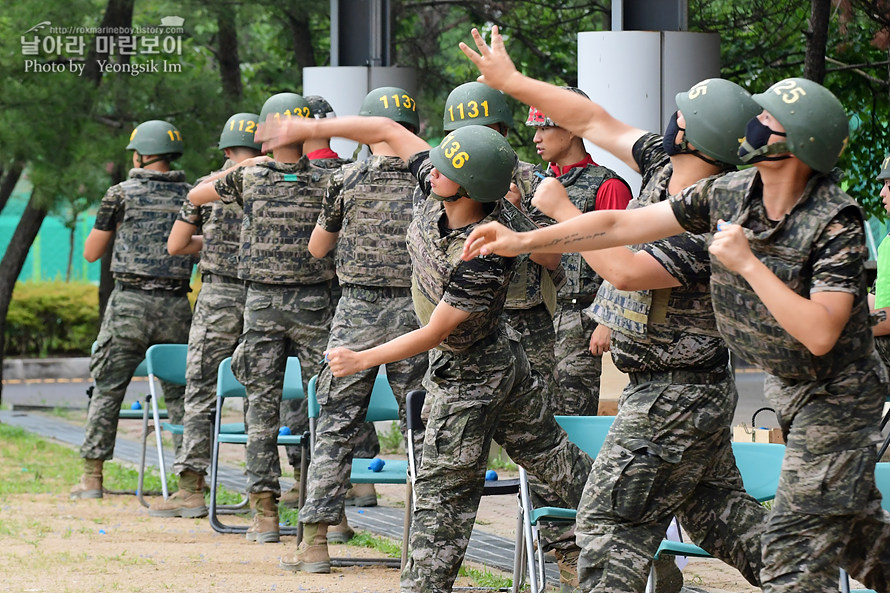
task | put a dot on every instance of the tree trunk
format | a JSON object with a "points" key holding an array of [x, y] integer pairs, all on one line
{"points": [[301, 35], [227, 54], [12, 263], [8, 180], [817, 40], [118, 13]]}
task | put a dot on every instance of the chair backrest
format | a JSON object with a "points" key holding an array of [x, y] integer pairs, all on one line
{"points": [[226, 383], [293, 380], [587, 432], [383, 404], [413, 409], [882, 479], [760, 465], [167, 362]]}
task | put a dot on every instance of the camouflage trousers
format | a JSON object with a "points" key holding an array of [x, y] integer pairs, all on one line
{"points": [[882, 345], [133, 321], [485, 393], [577, 370], [216, 326], [668, 453], [279, 321], [827, 513], [535, 325], [365, 317]]}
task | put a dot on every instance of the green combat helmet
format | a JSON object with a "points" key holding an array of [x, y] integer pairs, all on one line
{"points": [[239, 131], [816, 125], [394, 103], [156, 137], [285, 105], [537, 118], [319, 108], [475, 103], [478, 159], [716, 113], [885, 168]]}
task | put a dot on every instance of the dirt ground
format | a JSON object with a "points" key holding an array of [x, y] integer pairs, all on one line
{"points": [[50, 544]]}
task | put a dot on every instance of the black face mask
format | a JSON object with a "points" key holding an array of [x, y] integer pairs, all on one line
{"points": [[755, 148], [670, 137]]}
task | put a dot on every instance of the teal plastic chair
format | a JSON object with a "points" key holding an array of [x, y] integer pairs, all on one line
{"points": [[382, 407], [164, 362], [227, 386], [588, 433], [760, 465], [882, 479]]}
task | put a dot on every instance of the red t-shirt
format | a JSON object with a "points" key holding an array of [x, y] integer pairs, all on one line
{"points": [[613, 194], [322, 153]]}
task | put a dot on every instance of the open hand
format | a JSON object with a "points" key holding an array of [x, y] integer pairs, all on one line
{"points": [[493, 62], [276, 132], [492, 237]]}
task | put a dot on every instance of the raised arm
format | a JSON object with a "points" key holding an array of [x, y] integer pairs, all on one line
{"points": [[591, 230], [365, 130], [571, 111]]}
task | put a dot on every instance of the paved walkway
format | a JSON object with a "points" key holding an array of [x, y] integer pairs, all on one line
{"points": [[485, 548]]}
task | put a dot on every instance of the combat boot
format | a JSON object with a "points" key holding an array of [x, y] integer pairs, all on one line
{"points": [[90, 485], [264, 528], [187, 502], [361, 495], [312, 553], [668, 576], [291, 498], [340, 533], [567, 561]]}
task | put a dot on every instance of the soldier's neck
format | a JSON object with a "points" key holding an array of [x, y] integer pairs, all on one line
{"points": [[288, 154]]}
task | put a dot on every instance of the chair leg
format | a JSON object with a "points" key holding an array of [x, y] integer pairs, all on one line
{"points": [[304, 470], [844, 581], [519, 550], [140, 486], [406, 528], [527, 532], [157, 422]]}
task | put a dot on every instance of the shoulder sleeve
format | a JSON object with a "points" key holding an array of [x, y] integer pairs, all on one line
{"points": [[230, 187], [111, 209], [692, 207], [331, 216], [648, 152], [190, 213], [475, 283], [839, 254], [684, 256], [420, 166]]}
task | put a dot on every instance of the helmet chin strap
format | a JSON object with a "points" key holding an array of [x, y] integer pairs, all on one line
{"points": [[706, 159], [143, 163], [764, 152], [460, 193]]}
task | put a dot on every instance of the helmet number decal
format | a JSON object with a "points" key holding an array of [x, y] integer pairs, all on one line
{"points": [[698, 90], [457, 158], [175, 138], [472, 110], [789, 91], [250, 128], [297, 112], [406, 102]]}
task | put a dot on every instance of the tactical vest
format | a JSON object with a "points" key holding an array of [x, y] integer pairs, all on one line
{"points": [[329, 164], [744, 321], [221, 229], [582, 185], [151, 205], [281, 205], [371, 249], [434, 260]]}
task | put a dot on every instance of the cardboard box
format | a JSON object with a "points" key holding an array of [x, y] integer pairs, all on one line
{"points": [[742, 434]]}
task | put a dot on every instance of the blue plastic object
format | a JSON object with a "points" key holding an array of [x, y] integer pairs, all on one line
{"points": [[491, 476], [376, 464], [284, 431], [136, 406]]}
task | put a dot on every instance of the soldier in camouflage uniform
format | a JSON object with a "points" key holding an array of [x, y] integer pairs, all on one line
{"points": [[667, 342], [880, 302], [590, 187], [479, 379], [148, 304], [365, 215], [288, 307], [787, 283], [214, 231]]}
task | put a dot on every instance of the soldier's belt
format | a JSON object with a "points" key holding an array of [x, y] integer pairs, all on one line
{"points": [[679, 377], [178, 292], [379, 291], [211, 278]]}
